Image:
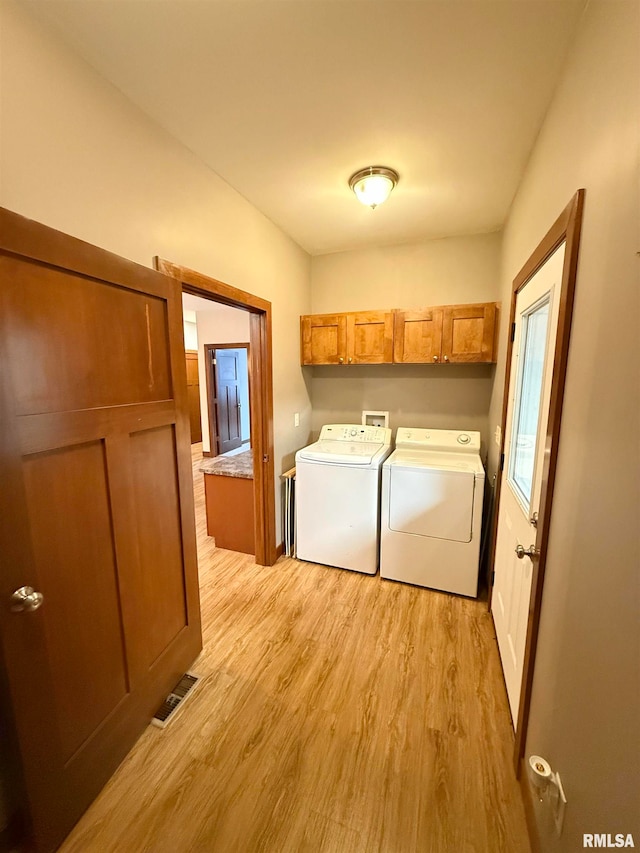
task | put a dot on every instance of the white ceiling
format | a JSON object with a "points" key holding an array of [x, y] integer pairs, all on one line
{"points": [[285, 99]]}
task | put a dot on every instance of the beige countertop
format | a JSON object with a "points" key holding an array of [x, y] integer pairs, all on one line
{"points": [[240, 465]]}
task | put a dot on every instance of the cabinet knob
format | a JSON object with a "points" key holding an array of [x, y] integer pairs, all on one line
{"points": [[341, 360], [435, 358], [350, 359], [446, 358]]}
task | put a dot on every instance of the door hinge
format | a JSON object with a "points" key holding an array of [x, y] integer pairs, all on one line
{"points": [[513, 331], [502, 461], [215, 360]]}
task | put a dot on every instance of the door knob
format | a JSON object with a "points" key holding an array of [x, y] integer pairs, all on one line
{"points": [[341, 360], [350, 359], [26, 599], [446, 358], [523, 552], [435, 358]]}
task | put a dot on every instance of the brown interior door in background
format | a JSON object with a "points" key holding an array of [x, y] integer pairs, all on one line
{"points": [[227, 391], [96, 511], [193, 396]]}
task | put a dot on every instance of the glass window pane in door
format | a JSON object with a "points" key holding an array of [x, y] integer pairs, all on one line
{"points": [[525, 427]]}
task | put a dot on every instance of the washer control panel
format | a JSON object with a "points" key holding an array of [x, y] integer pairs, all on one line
{"points": [[355, 432], [445, 440]]}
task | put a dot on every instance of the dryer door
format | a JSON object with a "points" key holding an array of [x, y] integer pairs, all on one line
{"points": [[432, 502]]}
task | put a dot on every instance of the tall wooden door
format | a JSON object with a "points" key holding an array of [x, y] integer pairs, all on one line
{"points": [[536, 324], [193, 396], [99, 610], [227, 401]]}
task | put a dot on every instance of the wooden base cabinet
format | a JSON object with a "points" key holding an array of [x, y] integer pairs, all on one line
{"points": [[229, 506]]}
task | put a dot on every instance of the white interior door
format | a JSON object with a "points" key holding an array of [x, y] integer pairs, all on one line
{"points": [[536, 320]]}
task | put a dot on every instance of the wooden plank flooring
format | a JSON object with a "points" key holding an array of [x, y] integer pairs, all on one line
{"points": [[340, 714]]}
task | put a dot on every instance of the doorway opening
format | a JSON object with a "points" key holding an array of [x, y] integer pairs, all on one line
{"points": [[251, 334]]}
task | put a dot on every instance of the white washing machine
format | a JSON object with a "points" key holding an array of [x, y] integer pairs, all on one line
{"points": [[432, 494], [338, 497]]}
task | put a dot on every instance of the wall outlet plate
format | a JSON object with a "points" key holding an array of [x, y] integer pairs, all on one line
{"points": [[296, 419]]}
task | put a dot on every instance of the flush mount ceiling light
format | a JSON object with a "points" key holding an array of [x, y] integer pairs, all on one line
{"points": [[373, 185]]}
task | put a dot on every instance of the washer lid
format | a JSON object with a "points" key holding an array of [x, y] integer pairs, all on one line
{"points": [[340, 452]]}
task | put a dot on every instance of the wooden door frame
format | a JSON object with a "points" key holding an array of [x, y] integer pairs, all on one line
{"points": [[565, 228], [212, 414], [261, 394], [187, 353]]}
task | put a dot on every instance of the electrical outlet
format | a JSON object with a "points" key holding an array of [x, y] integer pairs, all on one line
{"points": [[498, 435], [296, 419]]}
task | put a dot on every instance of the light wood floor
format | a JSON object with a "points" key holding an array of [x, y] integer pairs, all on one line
{"points": [[340, 714]]}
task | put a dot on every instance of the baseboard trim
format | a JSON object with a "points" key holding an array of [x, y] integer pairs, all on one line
{"points": [[279, 550], [207, 453]]}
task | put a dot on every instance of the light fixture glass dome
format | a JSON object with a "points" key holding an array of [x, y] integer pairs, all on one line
{"points": [[373, 185]]}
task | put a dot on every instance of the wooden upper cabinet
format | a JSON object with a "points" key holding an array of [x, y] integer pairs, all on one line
{"points": [[370, 337], [417, 336], [468, 333], [364, 337], [448, 333], [323, 338]]}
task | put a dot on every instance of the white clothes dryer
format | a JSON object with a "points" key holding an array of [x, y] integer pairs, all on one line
{"points": [[338, 497], [432, 495]]}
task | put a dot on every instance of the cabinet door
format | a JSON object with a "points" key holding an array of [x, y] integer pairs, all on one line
{"points": [[323, 338], [468, 333], [370, 337], [418, 336]]}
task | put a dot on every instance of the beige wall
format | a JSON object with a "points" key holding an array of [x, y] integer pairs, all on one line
{"points": [[437, 272], [219, 325], [586, 708], [78, 156]]}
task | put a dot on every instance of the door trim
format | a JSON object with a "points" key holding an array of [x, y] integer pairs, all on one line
{"points": [[211, 383], [192, 355], [565, 228], [260, 393]]}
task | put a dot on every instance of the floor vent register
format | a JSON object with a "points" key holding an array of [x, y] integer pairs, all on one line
{"points": [[175, 700]]}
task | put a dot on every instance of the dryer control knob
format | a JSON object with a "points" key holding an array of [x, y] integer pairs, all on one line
{"points": [[464, 439], [354, 432]]}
